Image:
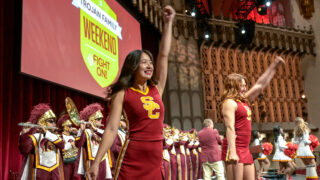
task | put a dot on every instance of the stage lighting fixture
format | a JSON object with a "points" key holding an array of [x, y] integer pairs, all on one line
{"points": [[268, 3], [244, 32], [206, 35], [262, 6], [193, 12]]}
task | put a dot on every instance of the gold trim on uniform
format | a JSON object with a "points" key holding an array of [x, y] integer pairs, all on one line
{"points": [[179, 166], [305, 157], [197, 160], [139, 91], [262, 158], [120, 158], [282, 160], [109, 158], [49, 169], [89, 149], [187, 151], [57, 141], [312, 177]]}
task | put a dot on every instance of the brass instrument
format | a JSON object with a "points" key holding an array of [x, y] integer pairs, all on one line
{"points": [[70, 155], [74, 113], [35, 126]]}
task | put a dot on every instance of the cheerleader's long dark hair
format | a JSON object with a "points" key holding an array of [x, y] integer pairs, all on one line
{"points": [[276, 133], [255, 134], [131, 64]]}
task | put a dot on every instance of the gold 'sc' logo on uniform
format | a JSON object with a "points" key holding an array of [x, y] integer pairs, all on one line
{"points": [[150, 106], [248, 112]]}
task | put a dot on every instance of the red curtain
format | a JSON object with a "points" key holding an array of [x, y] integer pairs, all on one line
{"points": [[19, 93]]}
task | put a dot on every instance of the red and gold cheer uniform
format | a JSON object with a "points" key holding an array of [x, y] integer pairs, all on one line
{"points": [[242, 128], [141, 154]]}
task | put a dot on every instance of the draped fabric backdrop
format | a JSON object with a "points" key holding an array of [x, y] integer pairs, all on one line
{"points": [[19, 93]]}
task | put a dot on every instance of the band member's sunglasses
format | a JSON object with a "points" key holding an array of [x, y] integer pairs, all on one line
{"points": [[51, 121]]}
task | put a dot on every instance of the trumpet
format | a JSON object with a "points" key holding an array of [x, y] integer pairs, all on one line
{"points": [[36, 126]]}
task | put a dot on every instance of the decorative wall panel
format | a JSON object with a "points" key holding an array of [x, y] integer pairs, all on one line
{"points": [[183, 89], [280, 101]]}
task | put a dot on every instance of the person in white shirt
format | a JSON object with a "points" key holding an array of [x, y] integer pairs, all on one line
{"points": [[301, 137], [279, 156], [263, 160]]}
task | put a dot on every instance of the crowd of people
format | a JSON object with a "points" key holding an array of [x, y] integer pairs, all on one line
{"points": [[61, 149], [192, 155], [140, 146]]}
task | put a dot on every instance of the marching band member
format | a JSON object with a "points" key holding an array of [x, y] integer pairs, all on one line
{"points": [[181, 157], [118, 143], [199, 151], [194, 154], [188, 156], [41, 146], [119, 140], [173, 155], [71, 137], [167, 142], [90, 141]]}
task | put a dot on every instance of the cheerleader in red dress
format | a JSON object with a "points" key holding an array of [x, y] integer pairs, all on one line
{"points": [[137, 94], [237, 118]]}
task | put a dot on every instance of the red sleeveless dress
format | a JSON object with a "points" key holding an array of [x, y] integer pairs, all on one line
{"points": [[243, 134], [141, 154]]}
